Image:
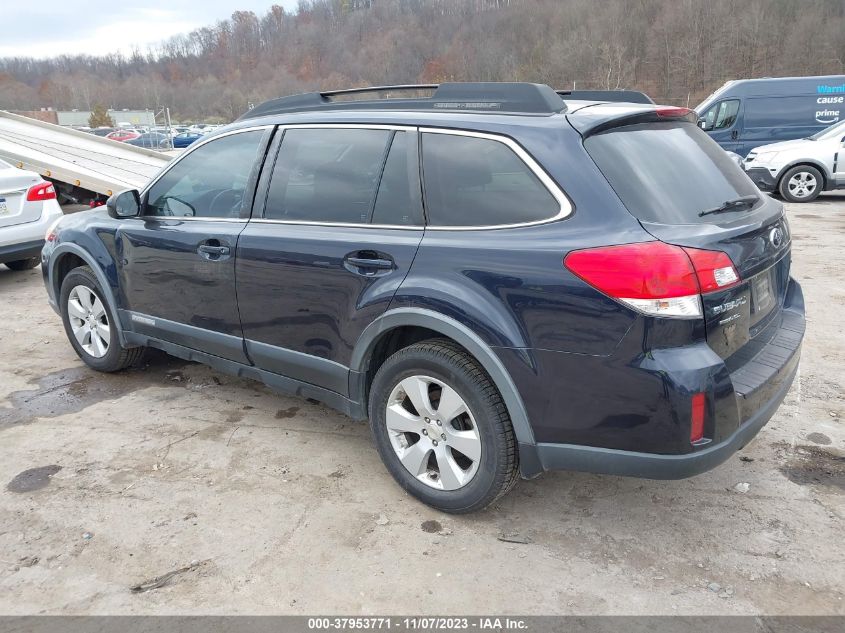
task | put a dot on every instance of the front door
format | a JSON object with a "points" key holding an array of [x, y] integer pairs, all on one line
{"points": [[177, 260], [721, 121], [340, 229]]}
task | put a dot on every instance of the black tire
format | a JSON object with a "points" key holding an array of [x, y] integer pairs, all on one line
{"points": [[443, 360], [807, 171], [24, 264], [116, 357]]}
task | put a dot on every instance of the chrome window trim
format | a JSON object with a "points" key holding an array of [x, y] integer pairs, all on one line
{"points": [[348, 225], [546, 180], [190, 150], [348, 126]]}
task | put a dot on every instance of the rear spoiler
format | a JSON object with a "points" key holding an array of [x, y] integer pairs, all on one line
{"points": [[604, 116], [615, 96]]}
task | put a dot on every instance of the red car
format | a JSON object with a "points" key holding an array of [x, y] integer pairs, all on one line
{"points": [[123, 135]]}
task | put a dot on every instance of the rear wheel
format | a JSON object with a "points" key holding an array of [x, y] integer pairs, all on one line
{"points": [[24, 264], [88, 324], [801, 183], [442, 428]]}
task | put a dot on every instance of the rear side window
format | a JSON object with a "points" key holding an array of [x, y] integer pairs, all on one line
{"points": [[472, 181], [670, 172], [327, 175]]}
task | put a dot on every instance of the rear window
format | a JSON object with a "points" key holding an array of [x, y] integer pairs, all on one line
{"points": [[670, 172]]}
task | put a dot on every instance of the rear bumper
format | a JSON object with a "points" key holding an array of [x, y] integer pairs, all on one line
{"points": [[763, 178], [24, 250], [652, 466], [741, 401], [22, 241]]}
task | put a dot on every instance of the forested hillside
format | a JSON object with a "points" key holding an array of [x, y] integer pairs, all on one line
{"points": [[675, 50]]}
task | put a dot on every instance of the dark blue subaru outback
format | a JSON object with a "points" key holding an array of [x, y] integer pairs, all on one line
{"points": [[502, 281]]}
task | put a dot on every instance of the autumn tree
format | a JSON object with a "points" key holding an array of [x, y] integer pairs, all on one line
{"points": [[100, 117]]}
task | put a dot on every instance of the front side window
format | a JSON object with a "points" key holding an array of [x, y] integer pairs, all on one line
{"points": [[327, 175], [209, 182], [471, 181], [722, 115]]}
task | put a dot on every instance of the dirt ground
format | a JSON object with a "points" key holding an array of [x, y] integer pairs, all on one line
{"points": [[268, 504]]}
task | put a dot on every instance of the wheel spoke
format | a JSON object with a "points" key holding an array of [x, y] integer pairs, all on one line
{"points": [[86, 297], [97, 344], [451, 405], [465, 442], [75, 309], [97, 308], [415, 458], [400, 420], [81, 333], [417, 390], [104, 332], [451, 475]]}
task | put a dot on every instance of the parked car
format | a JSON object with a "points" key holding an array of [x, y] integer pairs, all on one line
{"points": [[186, 138], [28, 207], [502, 283], [800, 170], [123, 135], [152, 140], [203, 128], [102, 131], [748, 113]]}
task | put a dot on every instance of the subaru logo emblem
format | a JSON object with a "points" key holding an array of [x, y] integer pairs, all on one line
{"points": [[776, 237]]}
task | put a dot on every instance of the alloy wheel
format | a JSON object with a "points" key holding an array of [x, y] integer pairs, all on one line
{"points": [[802, 184], [89, 321], [433, 432]]}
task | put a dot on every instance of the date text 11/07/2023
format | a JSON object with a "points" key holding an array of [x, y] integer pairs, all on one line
{"points": [[417, 623]]}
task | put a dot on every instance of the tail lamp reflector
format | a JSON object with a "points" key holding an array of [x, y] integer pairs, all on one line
{"points": [[696, 432]]}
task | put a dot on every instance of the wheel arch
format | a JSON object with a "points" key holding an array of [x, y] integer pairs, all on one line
{"points": [[450, 328], [69, 251], [809, 162]]}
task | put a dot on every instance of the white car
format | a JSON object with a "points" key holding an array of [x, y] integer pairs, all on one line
{"points": [[28, 209], [800, 170]]}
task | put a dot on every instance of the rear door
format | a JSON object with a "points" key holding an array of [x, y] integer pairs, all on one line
{"points": [[673, 178], [338, 233], [14, 185], [177, 261]]}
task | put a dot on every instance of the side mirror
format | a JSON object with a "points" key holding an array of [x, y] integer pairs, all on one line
{"points": [[702, 124], [126, 204]]}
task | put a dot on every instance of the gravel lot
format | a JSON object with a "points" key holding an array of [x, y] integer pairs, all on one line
{"points": [[270, 504]]}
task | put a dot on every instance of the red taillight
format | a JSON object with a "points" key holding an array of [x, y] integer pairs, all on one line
{"points": [[654, 277], [672, 112], [696, 432], [40, 192], [714, 269], [646, 270]]}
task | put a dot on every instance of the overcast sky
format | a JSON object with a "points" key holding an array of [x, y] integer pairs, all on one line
{"points": [[46, 28]]}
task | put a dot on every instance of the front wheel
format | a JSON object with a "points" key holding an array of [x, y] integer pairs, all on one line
{"points": [[441, 427], [88, 323], [801, 183]]}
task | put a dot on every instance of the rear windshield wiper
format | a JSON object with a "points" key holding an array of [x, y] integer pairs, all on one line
{"points": [[745, 202]]}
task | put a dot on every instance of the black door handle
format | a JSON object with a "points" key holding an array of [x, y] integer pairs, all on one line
{"points": [[365, 262], [735, 134], [368, 263]]}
